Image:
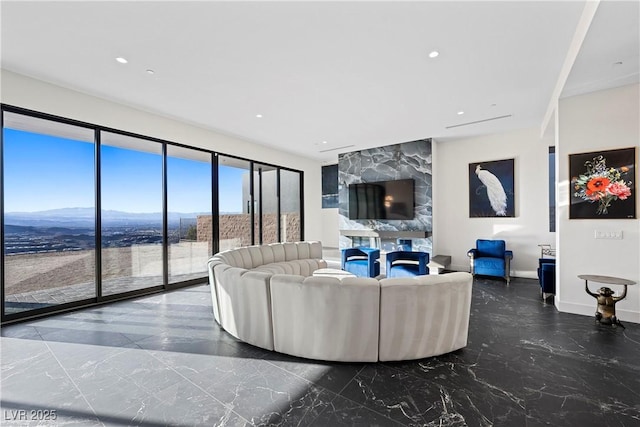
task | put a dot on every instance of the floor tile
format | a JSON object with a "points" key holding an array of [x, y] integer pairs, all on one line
{"points": [[162, 360]]}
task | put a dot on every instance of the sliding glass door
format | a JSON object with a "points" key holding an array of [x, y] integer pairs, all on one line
{"points": [[132, 226], [89, 214], [234, 203], [265, 204], [290, 206], [49, 213], [189, 213]]}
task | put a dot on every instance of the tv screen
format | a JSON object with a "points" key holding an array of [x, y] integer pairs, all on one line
{"points": [[382, 200]]}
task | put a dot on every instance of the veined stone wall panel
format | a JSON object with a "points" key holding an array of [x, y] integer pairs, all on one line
{"points": [[400, 161]]}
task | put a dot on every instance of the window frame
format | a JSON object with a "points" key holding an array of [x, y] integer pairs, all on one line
{"points": [[99, 299]]}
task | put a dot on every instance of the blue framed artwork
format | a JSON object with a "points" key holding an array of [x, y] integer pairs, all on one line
{"points": [[492, 189], [329, 187]]}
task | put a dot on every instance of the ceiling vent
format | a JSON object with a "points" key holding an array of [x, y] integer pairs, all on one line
{"points": [[478, 121], [337, 148]]}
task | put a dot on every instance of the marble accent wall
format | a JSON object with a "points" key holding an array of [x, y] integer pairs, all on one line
{"points": [[400, 161]]}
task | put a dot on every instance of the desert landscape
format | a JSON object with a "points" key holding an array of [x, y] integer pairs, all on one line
{"points": [[34, 280]]}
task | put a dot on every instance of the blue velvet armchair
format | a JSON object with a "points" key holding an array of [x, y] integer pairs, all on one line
{"points": [[363, 262], [547, 276], [407, 264], [490, 258]]}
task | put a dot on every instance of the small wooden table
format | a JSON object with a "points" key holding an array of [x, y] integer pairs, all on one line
{"points": [[606, 309]]}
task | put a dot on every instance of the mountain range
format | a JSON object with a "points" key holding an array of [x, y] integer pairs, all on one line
{"points": [[85, 217]]}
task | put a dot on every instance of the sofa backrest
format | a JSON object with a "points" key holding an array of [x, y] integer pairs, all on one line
{"points": [[240, 280], [423, 316], [254, 256], [326, 318]]}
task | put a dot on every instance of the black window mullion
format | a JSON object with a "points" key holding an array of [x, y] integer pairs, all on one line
{"points": [[301, 205], [98, 217], [165, 220], [215, 205], [2, 216], [260, 194], [251, 204], [278, 208]]}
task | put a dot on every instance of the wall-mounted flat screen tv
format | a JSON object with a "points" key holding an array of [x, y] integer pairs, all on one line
{"points": [[391, 200]]}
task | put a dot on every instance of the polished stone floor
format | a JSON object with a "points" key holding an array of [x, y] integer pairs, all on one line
{"points": [[161, 360]]}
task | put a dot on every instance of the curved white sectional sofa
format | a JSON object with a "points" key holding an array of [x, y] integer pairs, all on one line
{"points": [[266, 296]]}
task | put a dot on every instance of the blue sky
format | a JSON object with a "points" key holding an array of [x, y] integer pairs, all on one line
{"points": [[44, 172]]}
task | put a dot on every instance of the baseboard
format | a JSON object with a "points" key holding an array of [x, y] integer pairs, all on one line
{"points": [[524, 274], [590, 309]]}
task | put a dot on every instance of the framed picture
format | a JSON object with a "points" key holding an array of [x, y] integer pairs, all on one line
{"points": [[329, 187], [603, 184], [491, 189]]}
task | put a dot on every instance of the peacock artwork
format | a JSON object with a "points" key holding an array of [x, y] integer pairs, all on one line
{"points": [[491, 189]]}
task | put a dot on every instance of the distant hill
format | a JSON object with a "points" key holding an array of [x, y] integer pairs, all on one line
{"points": [[26, 230], [84, 217]]}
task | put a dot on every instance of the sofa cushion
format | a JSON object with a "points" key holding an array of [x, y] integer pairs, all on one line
{"points": [[315, 250], [245, 305], [325, 318], [256, 256], [304, 250], [279, 268], [267, 254], [290, 251], [303, 267], [278, 252], [424, 316]]}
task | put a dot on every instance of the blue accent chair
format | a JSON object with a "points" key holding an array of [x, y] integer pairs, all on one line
{"points": [[363, 262], [490, 258], [407, 264], [547, 276]]}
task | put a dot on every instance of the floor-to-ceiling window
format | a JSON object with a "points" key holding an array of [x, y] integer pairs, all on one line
{"points": [[234, 202], [189, 212], [290, 203], [90, 214], [49, 213], [131, 198], [266, 203]]}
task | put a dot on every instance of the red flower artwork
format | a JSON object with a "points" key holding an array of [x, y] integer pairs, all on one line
{"points": [[602, 184]]}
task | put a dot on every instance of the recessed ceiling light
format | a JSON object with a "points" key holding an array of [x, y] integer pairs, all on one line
{"points": [[324, 142], [460, 113], [433, 54], [259, 116], [150, 71], [121, 60]]}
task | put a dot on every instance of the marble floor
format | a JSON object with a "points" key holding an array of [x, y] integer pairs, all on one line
{"points": [[161, 360]]}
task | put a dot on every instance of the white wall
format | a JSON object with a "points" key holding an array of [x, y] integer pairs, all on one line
{"points": [[454, 233], [330, 228], [601, 120], [25, 92]]}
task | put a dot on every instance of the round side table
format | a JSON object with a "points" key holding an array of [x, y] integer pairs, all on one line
{"points": [[606, 309]]}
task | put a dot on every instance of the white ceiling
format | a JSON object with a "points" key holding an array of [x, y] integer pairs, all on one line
{"points": [[354, 74]]}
